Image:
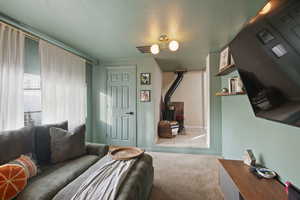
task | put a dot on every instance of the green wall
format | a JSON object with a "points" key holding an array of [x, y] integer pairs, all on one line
{"points": [[215, 120], [275, 145]]}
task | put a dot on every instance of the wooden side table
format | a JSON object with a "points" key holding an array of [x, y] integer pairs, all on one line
{"points": [[238, 183]]}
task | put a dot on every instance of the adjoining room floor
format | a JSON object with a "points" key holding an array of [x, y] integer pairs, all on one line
{"points": [[185, 177], [194, 138]]}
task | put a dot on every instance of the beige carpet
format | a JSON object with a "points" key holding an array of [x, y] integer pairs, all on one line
{"points": [[185, 177]]}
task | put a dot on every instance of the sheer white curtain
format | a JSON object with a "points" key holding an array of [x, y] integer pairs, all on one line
{"points": [[11, 78], [63, 86]]}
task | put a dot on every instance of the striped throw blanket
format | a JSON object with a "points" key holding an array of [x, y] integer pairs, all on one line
{"points": [[105, 182]]}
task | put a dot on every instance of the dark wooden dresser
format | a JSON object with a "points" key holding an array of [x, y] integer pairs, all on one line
{"points": [[238, 183]]}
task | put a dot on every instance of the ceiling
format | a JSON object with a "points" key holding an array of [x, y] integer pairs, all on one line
{"points": [[111, 29]]}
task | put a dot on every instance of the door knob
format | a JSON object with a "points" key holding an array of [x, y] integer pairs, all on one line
{"points": [[129, 113]]}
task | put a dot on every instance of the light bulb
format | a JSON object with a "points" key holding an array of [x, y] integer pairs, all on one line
{"points": [[266, 9], [154, 49], [173, 45]]}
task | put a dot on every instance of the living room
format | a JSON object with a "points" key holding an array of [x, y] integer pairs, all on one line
{"points": [[95, 97]]}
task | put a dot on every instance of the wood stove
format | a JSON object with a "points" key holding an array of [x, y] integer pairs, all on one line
{"points": [[173, 112]]}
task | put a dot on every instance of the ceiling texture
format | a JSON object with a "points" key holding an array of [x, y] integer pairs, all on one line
{"points": [[111, 29]]}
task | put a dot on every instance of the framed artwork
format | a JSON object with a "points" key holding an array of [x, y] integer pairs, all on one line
{"points": [[232, 85], [224, 58], [145, 78], [235, 85], [145, 95]]}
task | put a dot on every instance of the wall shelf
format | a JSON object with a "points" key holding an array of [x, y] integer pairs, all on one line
{"points": [[226, 70], [230, 94]]}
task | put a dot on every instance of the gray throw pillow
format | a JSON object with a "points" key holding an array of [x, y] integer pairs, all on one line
{"points": [[67, 145], [43, 143], [16, 142]]}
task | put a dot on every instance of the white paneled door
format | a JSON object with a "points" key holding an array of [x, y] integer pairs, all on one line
{"points": [[121, 105]]}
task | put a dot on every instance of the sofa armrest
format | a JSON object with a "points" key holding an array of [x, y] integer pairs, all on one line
{"points": [[138, 182], [97, 149]]}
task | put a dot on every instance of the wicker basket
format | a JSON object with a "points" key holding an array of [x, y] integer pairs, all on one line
{"points": [[165, 129]]}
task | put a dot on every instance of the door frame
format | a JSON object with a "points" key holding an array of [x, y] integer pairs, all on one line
{"points": [[136, 99]]}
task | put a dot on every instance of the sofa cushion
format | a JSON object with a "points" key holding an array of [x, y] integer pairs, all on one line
{"points": [[16, 142], [67, 145], [42, 141], [55, 177]]}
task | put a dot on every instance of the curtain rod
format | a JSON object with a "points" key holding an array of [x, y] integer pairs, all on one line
{"points": [[25, 33], [33, 34]]}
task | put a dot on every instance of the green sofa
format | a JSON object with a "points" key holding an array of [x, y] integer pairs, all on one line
{"points": [[62, 180]]}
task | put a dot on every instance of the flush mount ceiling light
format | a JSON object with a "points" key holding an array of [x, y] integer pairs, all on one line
{"points": [[163, 43], [173, 45], [154, 49]]}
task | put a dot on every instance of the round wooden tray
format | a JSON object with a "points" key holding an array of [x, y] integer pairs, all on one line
{"points": [[126, 153]]}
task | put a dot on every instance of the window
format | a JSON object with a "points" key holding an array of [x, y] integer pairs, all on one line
{"points": [[32, 100]]}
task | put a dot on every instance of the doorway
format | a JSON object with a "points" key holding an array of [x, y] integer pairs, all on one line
{"points": [[187, 105], [121, 105]]}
